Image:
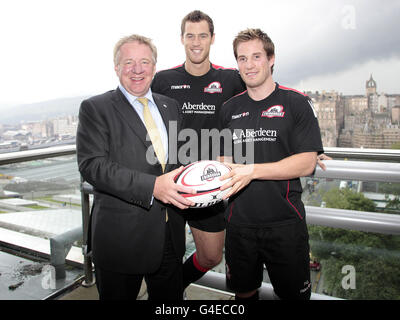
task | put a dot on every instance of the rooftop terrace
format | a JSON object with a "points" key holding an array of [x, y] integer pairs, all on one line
{"points": [[31, 239]]}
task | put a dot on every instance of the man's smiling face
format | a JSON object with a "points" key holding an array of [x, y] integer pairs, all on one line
{"points": [[136, 68], [197, 41]]}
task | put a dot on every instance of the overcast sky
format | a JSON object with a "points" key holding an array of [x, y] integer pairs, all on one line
{"points": [[63, 48]]}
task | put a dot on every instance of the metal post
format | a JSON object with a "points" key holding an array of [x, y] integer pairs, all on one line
{"points": [[59, 248], [87, 259]]}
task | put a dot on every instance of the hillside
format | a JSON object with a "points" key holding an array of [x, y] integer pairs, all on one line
{"points": [[41, 110]]}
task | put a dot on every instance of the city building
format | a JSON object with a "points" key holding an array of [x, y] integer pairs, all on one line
{"points": [[371, 120], [358, 121], [396, 115], [330, 110]]}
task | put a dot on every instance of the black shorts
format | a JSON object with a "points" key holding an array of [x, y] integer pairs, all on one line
{"points": [[210, 219], [283, 249]]}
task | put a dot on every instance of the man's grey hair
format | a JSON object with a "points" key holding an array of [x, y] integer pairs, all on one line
{"points": [[134, 38]]}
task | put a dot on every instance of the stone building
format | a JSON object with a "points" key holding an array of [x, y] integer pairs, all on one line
{"points": [[355, 104], [354, 121], [371, 121], [396, 115], [330, 110]]}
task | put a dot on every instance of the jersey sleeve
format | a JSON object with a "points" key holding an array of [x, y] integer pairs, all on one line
{"points": [[306, 134], [239, 83]]}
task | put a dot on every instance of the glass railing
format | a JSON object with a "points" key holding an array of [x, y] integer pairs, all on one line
{"points": [[40, 201], [357, 253], [354, 264], [353, 214], [354, 254]]}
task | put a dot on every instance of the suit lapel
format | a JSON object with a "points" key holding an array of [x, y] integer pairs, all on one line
{"points": [[129, 115], [163, 109], [132, 119]]}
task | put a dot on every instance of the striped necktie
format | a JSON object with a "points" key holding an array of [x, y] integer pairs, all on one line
{"points": [[153, 132]]}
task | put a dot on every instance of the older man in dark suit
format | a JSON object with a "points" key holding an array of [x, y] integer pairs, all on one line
{"points": [[122, 149]]}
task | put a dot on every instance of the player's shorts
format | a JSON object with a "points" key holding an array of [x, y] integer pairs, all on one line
{"points": [[283, 249], [209, 219]]}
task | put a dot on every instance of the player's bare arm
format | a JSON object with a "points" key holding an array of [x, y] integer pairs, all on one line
{"points": [[298, 165]]}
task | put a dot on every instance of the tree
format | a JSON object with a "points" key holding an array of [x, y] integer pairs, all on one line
{"points": [[348, 199], [389, 188], [392, 205], [395, 145]]}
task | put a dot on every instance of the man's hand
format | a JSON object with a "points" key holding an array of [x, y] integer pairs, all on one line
{"points": [[320, 158], [166, 190], [241, 175]]}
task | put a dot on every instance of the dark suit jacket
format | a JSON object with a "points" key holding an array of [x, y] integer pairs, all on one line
{"points": [[127, 233]]}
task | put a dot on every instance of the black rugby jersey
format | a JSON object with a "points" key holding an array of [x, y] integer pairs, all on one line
{"points": [[281, 125], [201, 98]]}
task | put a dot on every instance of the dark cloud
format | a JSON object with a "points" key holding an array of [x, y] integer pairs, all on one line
{"points": [[336, 46]]}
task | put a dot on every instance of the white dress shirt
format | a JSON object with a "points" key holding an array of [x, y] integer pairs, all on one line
{"points": [[138, 107]]}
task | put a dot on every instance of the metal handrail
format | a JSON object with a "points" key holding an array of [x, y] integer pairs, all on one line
{"points": [[217, 281], [334, 152], [354, 220], [36, 154], [363, 154], [359, 170], [338, 218]]}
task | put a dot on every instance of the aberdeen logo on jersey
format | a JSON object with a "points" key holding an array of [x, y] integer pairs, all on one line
{"points": [[274, 111], [213, 87]]}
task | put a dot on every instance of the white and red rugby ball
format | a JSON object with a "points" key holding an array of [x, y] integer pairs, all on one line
{"points": [[203, 176]]}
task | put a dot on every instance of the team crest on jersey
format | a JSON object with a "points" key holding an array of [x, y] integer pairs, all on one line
{"points": [[273, 112], [213, 87]]}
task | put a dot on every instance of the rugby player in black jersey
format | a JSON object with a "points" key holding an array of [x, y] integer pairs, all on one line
{"points": [[200, 87], [266, 217]]}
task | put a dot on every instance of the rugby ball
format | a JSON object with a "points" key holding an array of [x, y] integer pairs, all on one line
{"points": [[203, 176]]}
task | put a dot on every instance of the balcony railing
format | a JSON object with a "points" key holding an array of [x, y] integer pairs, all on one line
{"points": [[385, 167], [338, 218], [387, 155], [29, 155]]}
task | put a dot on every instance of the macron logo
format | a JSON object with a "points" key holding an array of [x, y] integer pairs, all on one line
{"points": [[240, 115], [179, 87]]}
